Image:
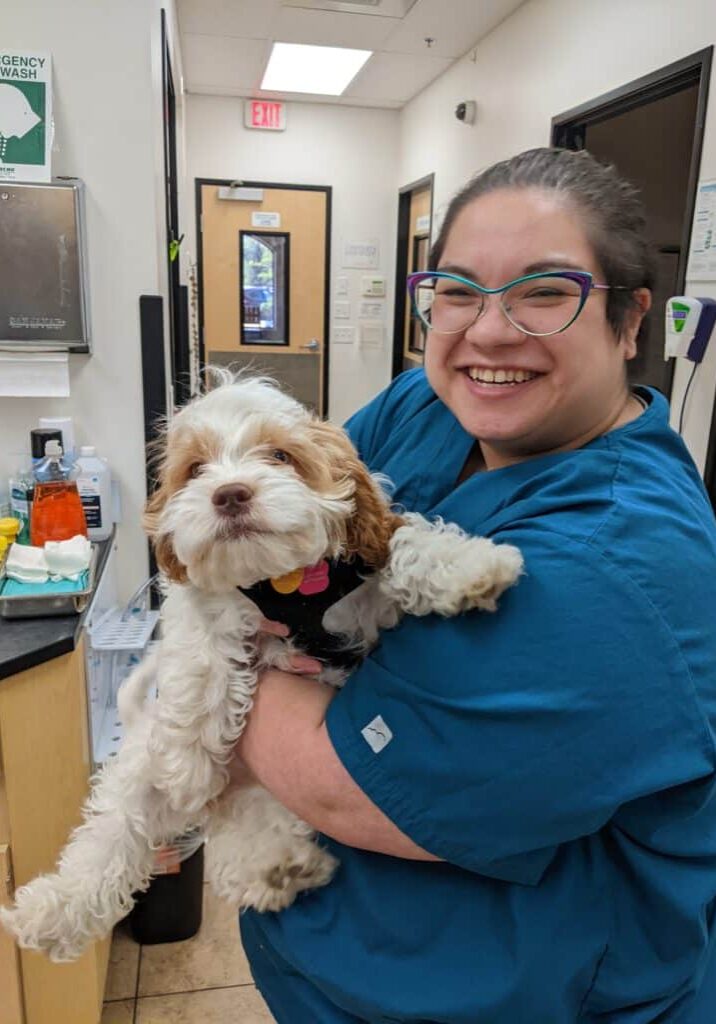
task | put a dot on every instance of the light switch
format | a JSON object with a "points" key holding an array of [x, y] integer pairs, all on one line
{"points": [[343, 335]]}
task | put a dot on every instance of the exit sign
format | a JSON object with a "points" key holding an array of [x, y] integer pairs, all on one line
{"points": [[267, 114]]}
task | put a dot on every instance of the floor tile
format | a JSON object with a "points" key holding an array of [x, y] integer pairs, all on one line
{"points": [[123, 967], [241, 1005], [212, 959], [119, 1013]]}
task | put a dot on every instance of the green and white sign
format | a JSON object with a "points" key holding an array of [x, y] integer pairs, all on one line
{"points": [[25, 116]]}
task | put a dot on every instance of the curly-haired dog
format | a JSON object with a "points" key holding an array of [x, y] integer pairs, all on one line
{"points": [[252, 487]]}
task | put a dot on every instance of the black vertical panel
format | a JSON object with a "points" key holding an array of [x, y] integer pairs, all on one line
{"points": [[154, 385], [182, 371]]}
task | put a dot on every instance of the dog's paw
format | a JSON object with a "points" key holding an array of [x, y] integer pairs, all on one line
{"points": [[496, 568], [42, 919], [280, 884]]}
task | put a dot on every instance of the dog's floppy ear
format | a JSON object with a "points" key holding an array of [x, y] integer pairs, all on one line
{"points": [[371, 526], [164, 552]]}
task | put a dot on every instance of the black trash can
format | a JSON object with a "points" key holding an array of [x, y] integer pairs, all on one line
{"points": [[170, 909]]}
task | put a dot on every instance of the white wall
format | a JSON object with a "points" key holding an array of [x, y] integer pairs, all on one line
{"points": [[550, 56], [352, 149], [107, 109]]}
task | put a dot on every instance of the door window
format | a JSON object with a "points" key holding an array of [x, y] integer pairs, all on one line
{"points": [[264, 276]]}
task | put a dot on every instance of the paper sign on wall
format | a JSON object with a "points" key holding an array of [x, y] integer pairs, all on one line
{"points": [[259, 219], [362, 255], [422, 224], [25, 116], [702, 258], [371, 310]]}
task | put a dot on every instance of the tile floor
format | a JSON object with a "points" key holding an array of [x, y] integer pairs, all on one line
{"points": [[205, 980]]}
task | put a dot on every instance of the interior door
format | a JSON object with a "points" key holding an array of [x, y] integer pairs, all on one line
{"points": [[415, 214], [265, 284], [418, 252]]}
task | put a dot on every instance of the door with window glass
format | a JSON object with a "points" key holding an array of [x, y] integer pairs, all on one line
{"points": [[415, 209], [264, 282]]}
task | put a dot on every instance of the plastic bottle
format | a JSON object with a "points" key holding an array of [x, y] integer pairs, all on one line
{"points": [[56, 509], [22, 485], [94, 482]]}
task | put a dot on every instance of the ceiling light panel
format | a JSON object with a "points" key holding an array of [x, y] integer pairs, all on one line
{"points": [[322, 70]]}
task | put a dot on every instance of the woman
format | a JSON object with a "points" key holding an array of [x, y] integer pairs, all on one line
{"points": [[534, 837]]}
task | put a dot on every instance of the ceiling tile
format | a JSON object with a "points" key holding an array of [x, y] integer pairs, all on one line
{"points": [[382, 9], [223, 61], [325, 28], [455, 25], [395, 76], [251, 19]]}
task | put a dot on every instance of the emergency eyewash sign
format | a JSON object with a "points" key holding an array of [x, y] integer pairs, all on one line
{"points": [[25, 116]]}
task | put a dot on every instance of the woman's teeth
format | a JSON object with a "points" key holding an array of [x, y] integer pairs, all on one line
{"points": [[500, 376]]}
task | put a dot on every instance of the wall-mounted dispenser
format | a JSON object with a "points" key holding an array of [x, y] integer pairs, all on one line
{"points": [[43, 267], [689, 324]]}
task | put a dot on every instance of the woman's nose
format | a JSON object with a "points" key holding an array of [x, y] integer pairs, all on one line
{"points": [[492, 326]]}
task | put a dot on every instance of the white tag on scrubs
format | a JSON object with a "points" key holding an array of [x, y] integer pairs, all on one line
{"points": [[377, 734]]}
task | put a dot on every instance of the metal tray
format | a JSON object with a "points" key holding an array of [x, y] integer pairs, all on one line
{"points": [[19, 607]]}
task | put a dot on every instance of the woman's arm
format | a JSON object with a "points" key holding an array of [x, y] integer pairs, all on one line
{"points": [[286, 747]]}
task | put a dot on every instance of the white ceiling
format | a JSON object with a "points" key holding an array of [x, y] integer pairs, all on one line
{"points": [[226, 43]]}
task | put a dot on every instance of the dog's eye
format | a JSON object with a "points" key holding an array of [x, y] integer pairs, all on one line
{"points": [[194, 470], [280, 455]]}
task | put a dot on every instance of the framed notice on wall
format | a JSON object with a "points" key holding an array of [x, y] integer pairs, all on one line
{"points": [[25, 116]]}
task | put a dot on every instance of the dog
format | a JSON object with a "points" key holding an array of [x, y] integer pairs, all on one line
{"points": [[252, 487]]}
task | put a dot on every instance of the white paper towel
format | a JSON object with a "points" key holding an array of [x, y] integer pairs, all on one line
{"points": [[34, 375]]}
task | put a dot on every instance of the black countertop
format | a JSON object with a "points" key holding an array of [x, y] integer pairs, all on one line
{"points": [[25, 643]]}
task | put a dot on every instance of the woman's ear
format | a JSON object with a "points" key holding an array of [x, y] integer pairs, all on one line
{"points": [[640, 306]]}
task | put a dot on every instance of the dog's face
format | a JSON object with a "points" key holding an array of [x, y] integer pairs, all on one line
{"points": [[252, 486]]}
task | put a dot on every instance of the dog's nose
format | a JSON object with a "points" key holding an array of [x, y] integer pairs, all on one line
{"points": [[232, 497]]}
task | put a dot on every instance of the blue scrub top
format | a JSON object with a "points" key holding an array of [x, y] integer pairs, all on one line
{"points": [[559, 754]]}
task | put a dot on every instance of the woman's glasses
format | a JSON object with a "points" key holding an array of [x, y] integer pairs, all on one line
{"points": [[538, 304]]}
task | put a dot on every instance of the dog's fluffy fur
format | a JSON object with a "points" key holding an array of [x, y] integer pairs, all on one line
{"points": [[306, 496]]}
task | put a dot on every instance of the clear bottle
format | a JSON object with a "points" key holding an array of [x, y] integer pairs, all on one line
{"points": [[22, 484], [57, 512], [94, 482]]}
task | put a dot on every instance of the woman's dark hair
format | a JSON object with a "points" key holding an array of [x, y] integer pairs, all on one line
{"points": [[615, 220]]}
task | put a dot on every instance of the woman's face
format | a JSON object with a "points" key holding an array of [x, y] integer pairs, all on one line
{"points": [[577, 387]]}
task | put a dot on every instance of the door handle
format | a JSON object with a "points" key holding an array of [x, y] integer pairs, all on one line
{"points": [[312, 345]]}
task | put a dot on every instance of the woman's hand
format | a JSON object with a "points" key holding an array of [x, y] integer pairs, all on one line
{"points": [[301, 665]]}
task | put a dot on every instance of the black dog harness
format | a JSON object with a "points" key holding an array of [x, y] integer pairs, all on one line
{"points": [[300, 600]]}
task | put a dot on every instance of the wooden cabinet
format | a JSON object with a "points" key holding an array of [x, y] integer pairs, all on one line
{"points": [[44, 774]]}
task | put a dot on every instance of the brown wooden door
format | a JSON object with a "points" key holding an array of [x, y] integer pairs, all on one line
{"points": [[418, 251], [265, 285]]}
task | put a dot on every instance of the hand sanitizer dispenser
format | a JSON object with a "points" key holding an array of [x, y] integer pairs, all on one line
{"points": [[689, 323]]}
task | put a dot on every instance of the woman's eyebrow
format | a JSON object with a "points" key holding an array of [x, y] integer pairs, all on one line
{"points": [[453, 268], [540, 266], [558, 263]]}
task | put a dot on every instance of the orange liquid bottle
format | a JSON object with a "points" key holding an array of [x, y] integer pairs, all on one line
{"points": [[57, 512]]}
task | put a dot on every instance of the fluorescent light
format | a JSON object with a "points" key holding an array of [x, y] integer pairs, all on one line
{"points": [[325, 70]]}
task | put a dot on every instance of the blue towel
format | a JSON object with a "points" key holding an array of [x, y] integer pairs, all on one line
{"points": [[13, 588]]}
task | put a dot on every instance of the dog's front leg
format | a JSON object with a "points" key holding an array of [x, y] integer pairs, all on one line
{"points": [[107, 859], [201, 712], [259, 854], [437, 567]]}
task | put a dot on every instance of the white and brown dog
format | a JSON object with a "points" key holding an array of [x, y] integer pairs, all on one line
{"points": [[252, 487]]}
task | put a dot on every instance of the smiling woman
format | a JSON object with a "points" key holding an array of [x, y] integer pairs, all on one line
{"points": [[557, 757]]}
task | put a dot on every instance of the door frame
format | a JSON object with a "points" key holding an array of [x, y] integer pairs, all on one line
{"points": [[694, 69], [177, 323], [402, 257], [328, 190]]}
